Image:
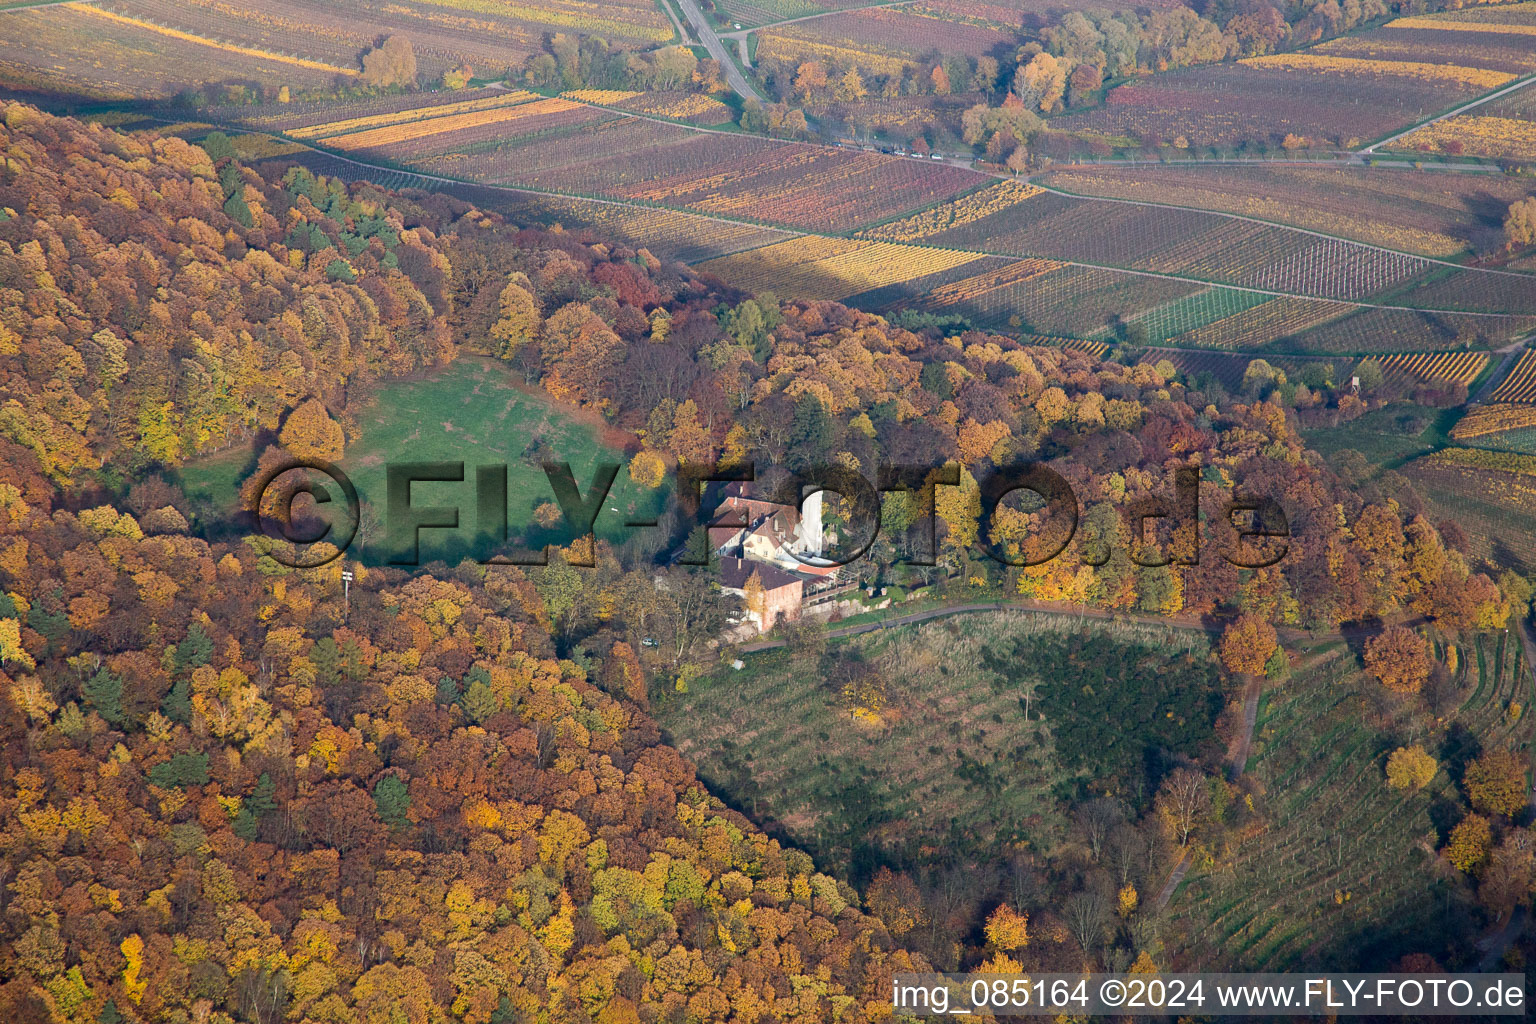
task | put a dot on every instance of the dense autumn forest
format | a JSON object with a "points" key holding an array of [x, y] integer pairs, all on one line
{"points": [[223, 800]]}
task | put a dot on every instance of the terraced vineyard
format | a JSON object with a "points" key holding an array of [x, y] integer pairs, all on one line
{"points": [[1341, 878], [1520, 385], [1456, 367], [1489, 494]]}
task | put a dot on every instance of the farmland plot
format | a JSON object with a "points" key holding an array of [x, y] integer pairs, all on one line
{"points": [[1260, 325], [831, 268], [491, 37], [1186, 242], [1413, 40], [1226, 104], [1343, 882], [87, 52], [875, 37], [750, 13], [1419, 212], [1477, 134], [1389, 330], [1489, 494]]}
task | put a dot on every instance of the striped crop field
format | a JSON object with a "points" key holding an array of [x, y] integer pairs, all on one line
{"points": [[602, 96], [830, 268], [956, 213], [1476, 135], [1449, 25], [188, 37], [972, 289], [1480, 78], [1484, 420], [1097, 349], [1520, 385], [1261, 324], [328, 129], [691, 107], [670, 234], [412, 130], [1457, 367]]}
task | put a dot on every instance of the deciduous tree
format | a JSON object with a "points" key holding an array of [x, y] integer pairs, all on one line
{"points": [[1399, 658]]}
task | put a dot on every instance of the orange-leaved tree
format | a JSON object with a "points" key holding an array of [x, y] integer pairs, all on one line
{"points": [[1247, 644], [1399, 658]]}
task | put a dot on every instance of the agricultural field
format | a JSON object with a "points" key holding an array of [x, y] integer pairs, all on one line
{"points": [[669, 234], [1489, 494], [1449, 367], [1505, 291], [1346, 874], [1001, 295], [133, 49], [956, 213], [458, 131], [1440, 44], [1072, 301], [1393, 330], [689, 107], [1475, 135], [1190, 243], [811, 187], [485, 419], [1328, 101], [882, 40], [1191, 313], [1097, 349], [831, 268], [568, 146], [751, 13], [1483, 421], [1260, 325], [1520, 385], [82, 50], [1422, 212], [776, 740]]}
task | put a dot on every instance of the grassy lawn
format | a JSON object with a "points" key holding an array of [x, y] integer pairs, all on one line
{"points": [[1344, 874], [470, 412], [1388, 437], [953, 768]]}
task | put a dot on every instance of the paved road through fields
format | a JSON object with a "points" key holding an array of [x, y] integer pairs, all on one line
{"points": [[717, 50]]}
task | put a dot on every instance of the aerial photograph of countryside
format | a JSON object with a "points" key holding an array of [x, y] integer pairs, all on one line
{"points": [[766, 511]]}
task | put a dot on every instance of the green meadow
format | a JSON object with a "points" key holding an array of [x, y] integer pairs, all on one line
{"points": [[469, 412]]}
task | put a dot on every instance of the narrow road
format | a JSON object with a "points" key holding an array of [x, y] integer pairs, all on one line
{"points": [[1253, 689], [1174, 878], [1512, 87], [717, 50]]}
